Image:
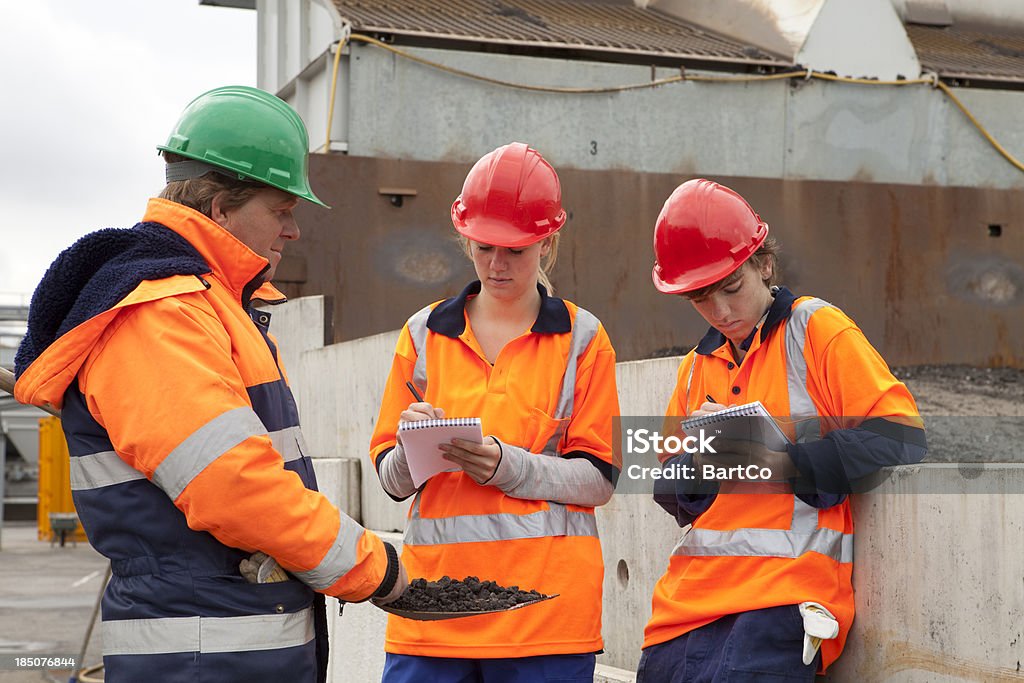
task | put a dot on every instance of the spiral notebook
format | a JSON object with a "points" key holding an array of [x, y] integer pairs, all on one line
{"points": [[750, 421], [421, 439]]}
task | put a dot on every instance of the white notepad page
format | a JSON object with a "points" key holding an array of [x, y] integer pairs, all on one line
{"points": [[421, 439], [750, 421]]}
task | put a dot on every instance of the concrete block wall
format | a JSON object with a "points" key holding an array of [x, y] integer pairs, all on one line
{"points": [[937, 562]]}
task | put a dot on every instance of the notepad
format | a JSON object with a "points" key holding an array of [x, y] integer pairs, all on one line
{"points": [[421, 439], [749, 421]]}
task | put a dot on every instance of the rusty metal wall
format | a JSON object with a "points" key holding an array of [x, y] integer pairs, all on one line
{"points": [[931, 274]]}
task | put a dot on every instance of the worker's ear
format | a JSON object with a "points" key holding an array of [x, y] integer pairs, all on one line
{"points": [[217, 212]]}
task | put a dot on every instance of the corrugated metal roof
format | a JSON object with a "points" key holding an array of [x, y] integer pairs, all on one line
{"points": [[614, 26], [954, 52]]}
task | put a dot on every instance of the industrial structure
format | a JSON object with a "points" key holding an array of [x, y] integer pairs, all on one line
{"points": [[19, 425], [844, 121]]}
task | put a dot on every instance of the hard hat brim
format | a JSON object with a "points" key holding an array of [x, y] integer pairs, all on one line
{"points": [[500, 233], [708, 274]]}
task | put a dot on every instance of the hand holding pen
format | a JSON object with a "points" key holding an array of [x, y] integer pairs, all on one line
{"points": [[708, 407], [419, 409]]}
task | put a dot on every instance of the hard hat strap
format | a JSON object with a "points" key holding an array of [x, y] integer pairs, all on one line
{"points": [[190, 168]]}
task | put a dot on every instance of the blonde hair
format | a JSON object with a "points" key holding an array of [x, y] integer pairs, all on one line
{"points": [[198, 193], [547, 263]]}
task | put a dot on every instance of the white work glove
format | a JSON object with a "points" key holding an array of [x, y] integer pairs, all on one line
{"points": [[261, 568], [819, 624]]}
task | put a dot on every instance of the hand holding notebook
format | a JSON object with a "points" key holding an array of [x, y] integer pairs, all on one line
{"points": [[421, 439], [749, 422]]}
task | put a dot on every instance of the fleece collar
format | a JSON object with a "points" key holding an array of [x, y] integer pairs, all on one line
{"points": [[94, 274]]}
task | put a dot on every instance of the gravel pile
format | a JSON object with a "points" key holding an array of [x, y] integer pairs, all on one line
{"points": [[468, 595]]}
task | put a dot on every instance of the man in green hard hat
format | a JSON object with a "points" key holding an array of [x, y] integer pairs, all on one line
{"points": [[188, 467]]}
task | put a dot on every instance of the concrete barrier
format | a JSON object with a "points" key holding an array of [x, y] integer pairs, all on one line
{"points": [[938, 577], [937, 573]]}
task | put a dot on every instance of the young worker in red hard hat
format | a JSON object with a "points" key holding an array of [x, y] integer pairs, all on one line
{"points": [[763, 576], [186, 450], [519, 510]]}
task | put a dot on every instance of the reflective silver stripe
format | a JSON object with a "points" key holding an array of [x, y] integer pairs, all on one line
{"points": [[207, 634], [418, 331], [203, 446], [289, 443], [101, 469], [800, 404], [805, 517], [689, 379], [766, 543], [555, 521], [339, 560], [584, 329], [551, 445]]}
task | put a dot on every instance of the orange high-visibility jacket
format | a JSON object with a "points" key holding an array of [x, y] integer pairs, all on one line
{"points": [[187, 455], [551, 391], [751, 549]]}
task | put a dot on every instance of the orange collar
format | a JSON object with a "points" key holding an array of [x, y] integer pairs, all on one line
{"points": [[229, 259]]}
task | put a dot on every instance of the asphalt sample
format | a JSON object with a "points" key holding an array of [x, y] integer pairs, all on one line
{"points": [[468, 595]]}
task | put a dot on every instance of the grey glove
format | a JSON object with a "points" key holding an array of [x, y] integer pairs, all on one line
{"points": [[261, 568]]}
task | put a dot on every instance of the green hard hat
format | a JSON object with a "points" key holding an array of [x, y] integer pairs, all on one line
{"points": [[247, 131]]}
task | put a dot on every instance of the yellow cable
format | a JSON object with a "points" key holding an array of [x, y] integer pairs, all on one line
{"points": [[334, 87], [868, 81], [509, 84], [981, 129], [805, 74]]}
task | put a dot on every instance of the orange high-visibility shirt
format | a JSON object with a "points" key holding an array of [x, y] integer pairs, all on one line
{"points": [[459, 528], [753, 549]]}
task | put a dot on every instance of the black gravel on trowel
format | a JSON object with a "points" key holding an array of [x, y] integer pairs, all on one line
{"points": [[452, 595]]}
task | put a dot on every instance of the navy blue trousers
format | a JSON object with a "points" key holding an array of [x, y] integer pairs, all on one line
{"points": [[764, 645], [547, 669]]}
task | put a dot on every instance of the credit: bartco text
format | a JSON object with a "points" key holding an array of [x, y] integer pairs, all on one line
{"points": [[707, 472]]}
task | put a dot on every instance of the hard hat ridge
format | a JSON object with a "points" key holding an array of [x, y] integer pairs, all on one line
{"points": [[511, 198], [704, 233]]}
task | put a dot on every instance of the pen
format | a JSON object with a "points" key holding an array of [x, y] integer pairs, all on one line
{"points": [[415, 394]]}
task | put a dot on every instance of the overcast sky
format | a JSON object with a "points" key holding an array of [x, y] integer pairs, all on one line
{"points": [[89, 89]]}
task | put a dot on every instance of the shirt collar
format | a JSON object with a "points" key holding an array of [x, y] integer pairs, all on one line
{"points": [[449, 316], [778, 312]]}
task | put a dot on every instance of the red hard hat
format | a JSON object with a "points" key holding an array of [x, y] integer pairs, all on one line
{"points": [[704, 233], [511, 198]]}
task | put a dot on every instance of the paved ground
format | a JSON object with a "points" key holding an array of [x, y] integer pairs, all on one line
{"points": [[46, 600]]}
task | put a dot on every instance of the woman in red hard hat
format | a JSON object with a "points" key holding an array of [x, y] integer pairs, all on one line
{"points": [[519, 510], [759, 587]]}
